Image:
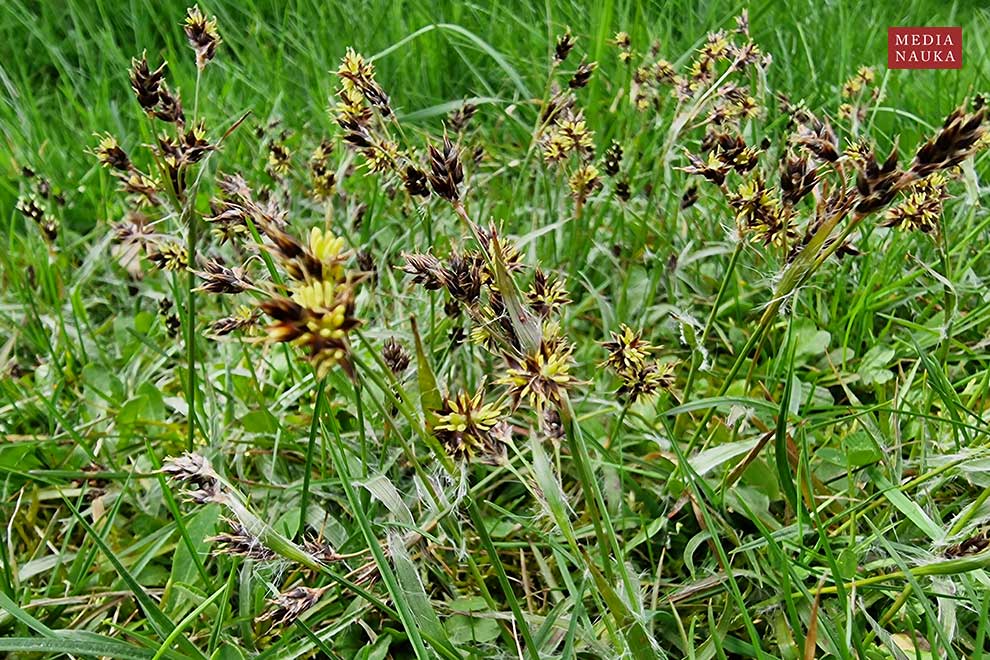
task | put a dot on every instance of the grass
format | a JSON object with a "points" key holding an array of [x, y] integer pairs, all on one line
{"points": [[810, 482]]}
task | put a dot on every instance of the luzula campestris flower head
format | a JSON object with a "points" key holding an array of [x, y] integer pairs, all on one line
{"points": [[627, 351], [110, 154], [921, 209], [630, 357], [446, 173], [541, 377], [290, 605], [319, 310], [465, 425], [202, 34]]}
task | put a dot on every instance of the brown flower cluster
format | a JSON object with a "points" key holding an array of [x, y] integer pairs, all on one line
{"points": [[630, 357]]}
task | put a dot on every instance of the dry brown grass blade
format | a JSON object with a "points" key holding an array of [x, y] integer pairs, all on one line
{"points": [[811, 639]]}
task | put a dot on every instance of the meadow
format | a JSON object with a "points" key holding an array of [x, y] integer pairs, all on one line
{"points": [[453, 330]]}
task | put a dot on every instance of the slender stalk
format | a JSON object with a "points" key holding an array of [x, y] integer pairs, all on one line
{"points": [[308, 472], [597, 509], [949, 297], [188, 212]]}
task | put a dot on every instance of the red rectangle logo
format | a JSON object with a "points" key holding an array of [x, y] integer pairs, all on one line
{"points": [[924, 47]]}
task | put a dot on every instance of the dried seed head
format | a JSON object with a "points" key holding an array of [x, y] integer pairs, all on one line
{"points": [[218, 278], [621, 39], [243, 318], [169, 108], [290, 605], [425, 269], [797, 179], [564, 45], [975, 544], [690, 197], [367, 266], [560, 101], [202, 35], [239, 542], [460, 117], [877, 184], [234, 185], [146, 83], [463, 276], [415, 181], [446, 173], [582, 75], [395, 356], [229, 220], [958, 138], [190, 467], [111, 156], [613, 158], [819, 139], [742, 22]]}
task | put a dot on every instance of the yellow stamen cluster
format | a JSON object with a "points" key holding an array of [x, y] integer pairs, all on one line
{"points": [[584, 181], [627, 351], [759, 212], [354, 68], [202, 34], [569, 135], [466, 426], [542, 376], [629, 356], [922, 208], [863, 79], [318, 312], [321, 171]]}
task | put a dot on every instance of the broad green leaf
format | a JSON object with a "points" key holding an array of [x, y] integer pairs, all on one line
{"points": [[199, 525], [414, 593], [860, 449], [873, 367]]}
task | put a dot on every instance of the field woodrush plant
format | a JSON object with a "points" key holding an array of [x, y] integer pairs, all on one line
{"points": [[657, 361]]}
